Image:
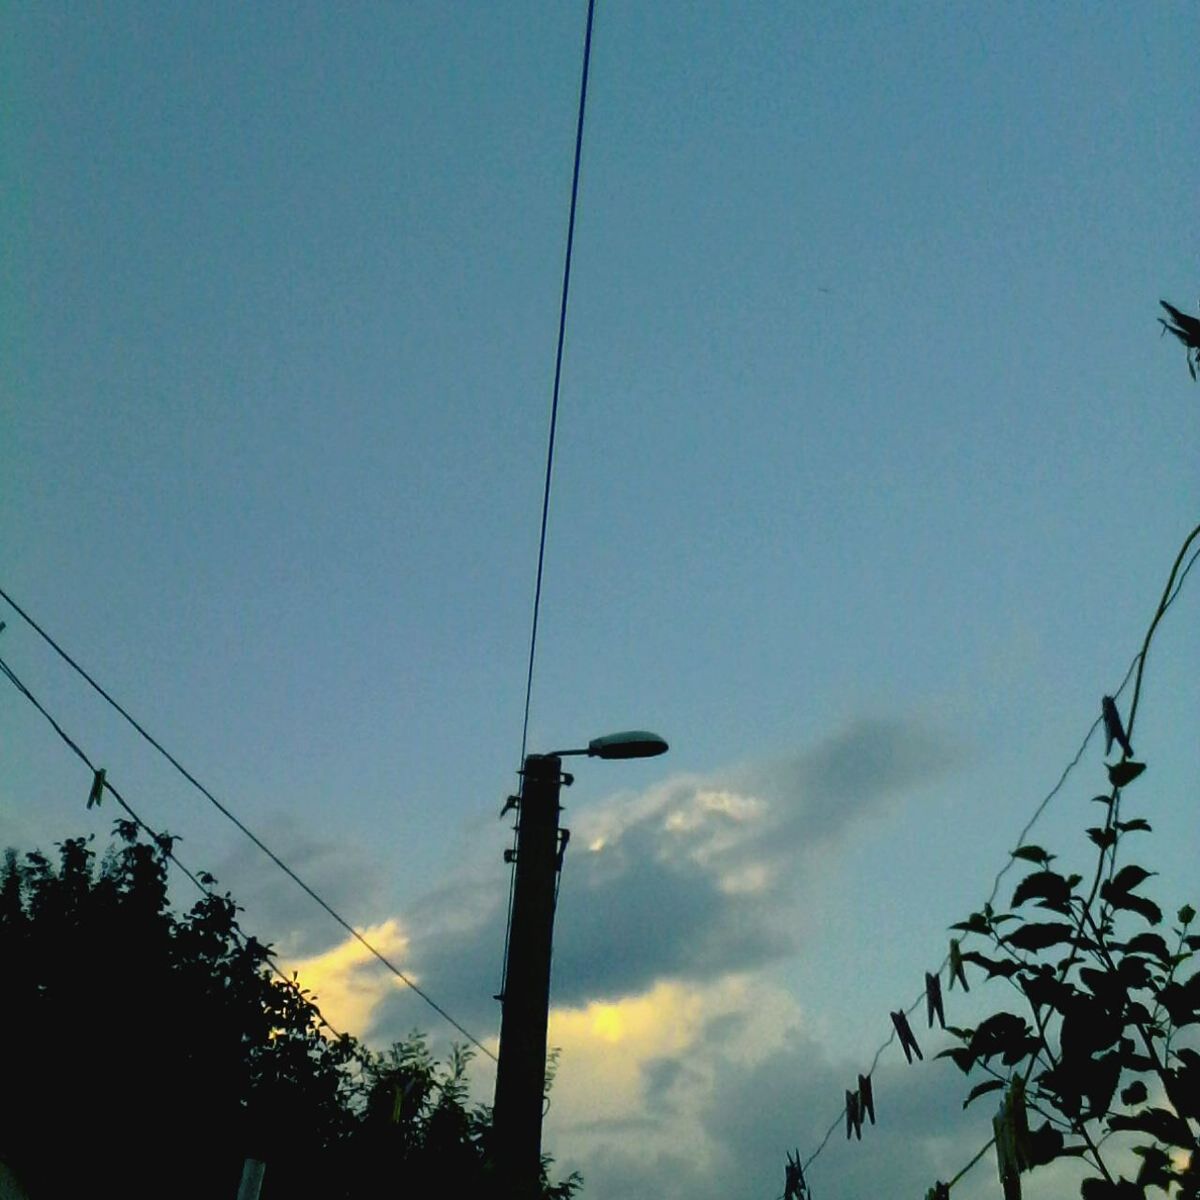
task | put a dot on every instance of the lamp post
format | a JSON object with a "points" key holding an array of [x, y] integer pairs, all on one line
{"points": [[521, 1074]]}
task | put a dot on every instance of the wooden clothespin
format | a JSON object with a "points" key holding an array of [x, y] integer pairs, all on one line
{"points": [[908, 1043], [564, 836], [1011, 1127], [794, 1187], [933, 1000], [866, 1098], [96, 795], [509, 804], [1114, 731], [956, 966], [1006, 1157], [853, 1116]]}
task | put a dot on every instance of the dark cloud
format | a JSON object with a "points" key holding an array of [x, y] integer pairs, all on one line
{"points": [[751, 1114], [349, 877], [691, 881], [850, 776]]}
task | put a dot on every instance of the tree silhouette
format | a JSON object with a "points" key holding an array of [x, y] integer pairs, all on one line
{"points": [[150, 1053]]}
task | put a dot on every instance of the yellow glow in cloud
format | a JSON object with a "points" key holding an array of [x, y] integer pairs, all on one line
{"points": [[661, 1021], [348, 981], [595, 1080], [609, 1050]]}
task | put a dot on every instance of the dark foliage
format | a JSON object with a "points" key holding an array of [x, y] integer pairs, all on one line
{"points": [[1187, 329], [150, 1053], [1099, 1068]]}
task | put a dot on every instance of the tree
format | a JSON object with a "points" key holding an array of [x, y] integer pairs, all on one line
{"points": [[149, 1053]]}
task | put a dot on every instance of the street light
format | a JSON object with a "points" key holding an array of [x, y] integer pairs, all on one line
{"points": [[633, 743], [521, 1073]]}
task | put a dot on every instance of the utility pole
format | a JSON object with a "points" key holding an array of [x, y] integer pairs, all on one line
{"points": [[521, 1075]]}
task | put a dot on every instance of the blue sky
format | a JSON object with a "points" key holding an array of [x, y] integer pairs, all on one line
{"points": [[870, 467]]}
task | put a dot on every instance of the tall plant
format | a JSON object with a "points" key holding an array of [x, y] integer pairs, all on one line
{"points": [[1098, 1057]]}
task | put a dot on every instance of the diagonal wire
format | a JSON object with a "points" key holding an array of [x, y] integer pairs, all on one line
{"points": [[558, 357], [230, 816], [162, 841]]}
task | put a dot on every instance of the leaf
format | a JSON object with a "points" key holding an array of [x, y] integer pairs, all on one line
{"points": [[1148, 943], [1006, 1034], [1187, 914], [1044, 1145], [975, 923], [1159, 1123], [1134, 972], [1183, 1085], [1156, 1167], [1005, 968], [1138, 904], [1182, 1001], [1044, 987], [1127, 878], [1138, 823], [1135, 1093], [1038, 936], [981, 1089], [1125, 772], [1044, 885], [1102, 837], [962, 1058], [1033, 854]]}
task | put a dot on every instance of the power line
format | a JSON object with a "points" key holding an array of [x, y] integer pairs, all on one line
{"points": [[558, 357], [230, 816], [163, 842]]}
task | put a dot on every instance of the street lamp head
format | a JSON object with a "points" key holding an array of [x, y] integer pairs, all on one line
{"points": [[633, 743]]}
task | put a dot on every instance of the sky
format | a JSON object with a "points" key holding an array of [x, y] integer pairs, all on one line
{"points": [[871, 463]]}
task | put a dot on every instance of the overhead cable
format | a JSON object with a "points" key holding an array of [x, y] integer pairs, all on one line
{"points": [[230, 816], [162, 841]]}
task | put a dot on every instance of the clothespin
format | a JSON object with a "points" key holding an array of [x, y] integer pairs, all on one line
{"points": [[1018, 1119], [1011, 1126], [956, 966], [510, 855], [933, 1000], [1006, 1156], [908, 1043], [939, 1191], [97, 792], [1114, 731], [564, 836], [794, 1187], [853, 1116], [509, 805], [866, 1098]]}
